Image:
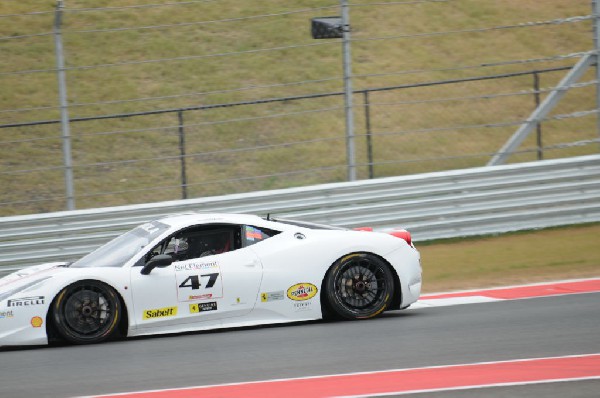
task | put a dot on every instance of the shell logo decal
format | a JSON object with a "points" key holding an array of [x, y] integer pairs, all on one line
{"points": [[302, 291], [37, 322]]}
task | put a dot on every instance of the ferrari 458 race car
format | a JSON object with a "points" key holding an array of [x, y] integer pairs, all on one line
{"points": [[204, 271]]}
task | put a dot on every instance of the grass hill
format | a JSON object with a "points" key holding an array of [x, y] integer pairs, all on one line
{"points": [[138, 55]]}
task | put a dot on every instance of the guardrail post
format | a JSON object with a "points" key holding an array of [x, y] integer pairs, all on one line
{"points": [[182, 155]]}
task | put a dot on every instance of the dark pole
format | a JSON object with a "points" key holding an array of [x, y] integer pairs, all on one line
{"points": [[64, 106], [349, 112], [368, 126], [536, 88], [182, 153], [595, 11]]}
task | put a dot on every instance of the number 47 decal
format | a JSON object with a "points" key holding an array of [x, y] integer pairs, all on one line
{"points": [[193, 281]]}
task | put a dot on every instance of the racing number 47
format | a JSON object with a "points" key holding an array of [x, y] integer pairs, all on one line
{"points": [[193, 281]]}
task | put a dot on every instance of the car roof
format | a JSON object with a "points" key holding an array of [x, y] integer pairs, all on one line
{"points": [[282, 224], [180, 220]]}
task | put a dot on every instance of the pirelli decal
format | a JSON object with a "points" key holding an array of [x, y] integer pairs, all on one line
{"points": [[159, 313], [25, 301]]}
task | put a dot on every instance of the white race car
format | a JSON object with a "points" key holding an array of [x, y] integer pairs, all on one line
{"points": [[204, 271]]}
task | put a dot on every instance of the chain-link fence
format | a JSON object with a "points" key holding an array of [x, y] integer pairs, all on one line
{"points": [[199, 98]]}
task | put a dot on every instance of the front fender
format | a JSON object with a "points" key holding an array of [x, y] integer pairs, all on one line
{"points": [[23, 319]]}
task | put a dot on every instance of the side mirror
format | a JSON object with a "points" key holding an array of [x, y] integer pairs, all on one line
{"points": [[160, 261]]}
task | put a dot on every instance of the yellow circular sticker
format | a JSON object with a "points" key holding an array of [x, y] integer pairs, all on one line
{"points": [[302, 291], [36, 322]]}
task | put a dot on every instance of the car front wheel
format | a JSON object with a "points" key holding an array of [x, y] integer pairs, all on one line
{"points": [[86, 312]]}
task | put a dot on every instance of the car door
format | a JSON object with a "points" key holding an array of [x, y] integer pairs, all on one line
{"points": [[212, 278]]}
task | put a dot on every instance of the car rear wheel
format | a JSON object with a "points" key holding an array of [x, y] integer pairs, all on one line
{"points": [[359, 286], [86, 312]]}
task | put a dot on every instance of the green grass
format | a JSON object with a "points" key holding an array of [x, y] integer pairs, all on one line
{"points": [[117, 169], [515, 258]]}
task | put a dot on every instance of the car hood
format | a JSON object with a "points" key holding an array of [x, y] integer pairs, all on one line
{"points": [[31, 275]]}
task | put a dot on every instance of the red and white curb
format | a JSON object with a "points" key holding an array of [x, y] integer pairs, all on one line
{"points": [[425, 379], [560, 288], [400, 381]]}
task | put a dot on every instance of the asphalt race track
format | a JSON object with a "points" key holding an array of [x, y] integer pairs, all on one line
{"points": [[556, 326]]}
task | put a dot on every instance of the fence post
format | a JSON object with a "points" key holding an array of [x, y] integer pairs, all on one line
{"points": [[348, 91], [368, 128], [596, 12], [536, 90], [182, 155], [542, 111], [64, 110]]}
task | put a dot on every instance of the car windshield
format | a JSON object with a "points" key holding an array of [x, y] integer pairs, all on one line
{"points": [[119, 250]]}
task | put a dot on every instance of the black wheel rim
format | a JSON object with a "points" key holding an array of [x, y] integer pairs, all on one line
{"points": [[89, 311], [361, 285]]}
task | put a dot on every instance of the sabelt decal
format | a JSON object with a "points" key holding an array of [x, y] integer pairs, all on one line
{"points": [[37, 322], [272, 296], [25, 301], [6, 314], [203, 307], [160, 313], [302, 291]]}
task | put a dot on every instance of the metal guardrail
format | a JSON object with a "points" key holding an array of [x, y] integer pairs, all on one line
{"points": [[456, 203]]}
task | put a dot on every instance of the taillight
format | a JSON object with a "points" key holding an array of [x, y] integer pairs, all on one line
{"points": [[368, 229], [402, 234]]}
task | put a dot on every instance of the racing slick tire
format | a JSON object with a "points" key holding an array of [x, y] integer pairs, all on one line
{"points": [[86, 312], [359, 286]]}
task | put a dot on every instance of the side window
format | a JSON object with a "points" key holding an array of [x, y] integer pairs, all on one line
{"points": [[202, 242], [253, 235], [197, 242]]}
